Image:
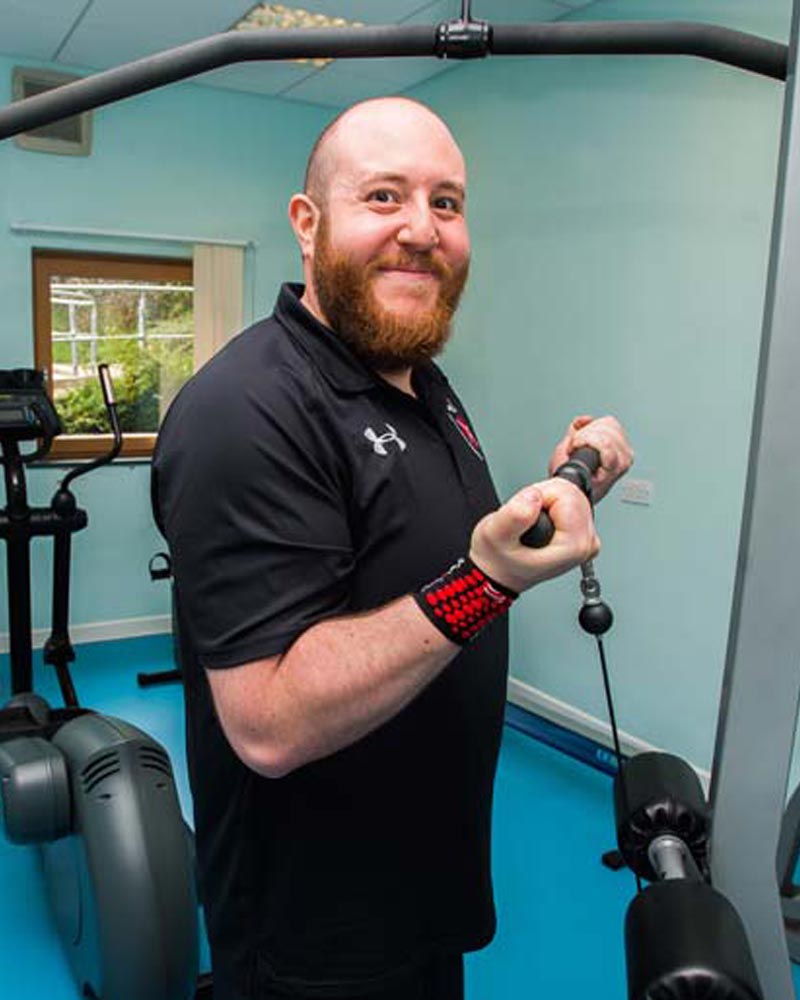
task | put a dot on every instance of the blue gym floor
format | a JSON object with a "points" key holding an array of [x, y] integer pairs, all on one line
{"points": [[560, 912]]}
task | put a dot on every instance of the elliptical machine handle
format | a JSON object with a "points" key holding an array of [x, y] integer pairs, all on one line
{"points": [[107, 388], [106, 385]]}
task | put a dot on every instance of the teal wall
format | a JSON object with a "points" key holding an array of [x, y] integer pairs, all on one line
{"points": [[187, 160], [620, 212]]}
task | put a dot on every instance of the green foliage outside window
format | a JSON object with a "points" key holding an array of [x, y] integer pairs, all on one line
{"points": [[146, 375], [148, 379]]}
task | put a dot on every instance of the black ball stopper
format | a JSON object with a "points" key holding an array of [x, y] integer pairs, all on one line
{"points": [[596, 618], [64, 503]]}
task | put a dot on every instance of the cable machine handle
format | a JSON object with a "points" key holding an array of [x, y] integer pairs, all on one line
{"points": [[579, 469]]}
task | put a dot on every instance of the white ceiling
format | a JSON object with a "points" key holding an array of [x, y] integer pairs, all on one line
{"points": [[98, 34]]}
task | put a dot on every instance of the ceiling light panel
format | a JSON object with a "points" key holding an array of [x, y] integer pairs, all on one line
{"points": [[278, 16], [370, 11]]}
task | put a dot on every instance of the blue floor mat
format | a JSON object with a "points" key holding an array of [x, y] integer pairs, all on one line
{"points": [[560, 912]]}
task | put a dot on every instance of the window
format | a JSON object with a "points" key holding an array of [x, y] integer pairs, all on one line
{"points": [[134, 313]]}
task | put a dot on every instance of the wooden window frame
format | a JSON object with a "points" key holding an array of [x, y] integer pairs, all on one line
{"points": [[49, 263]]}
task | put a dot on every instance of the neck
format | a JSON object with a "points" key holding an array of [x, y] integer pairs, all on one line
{"points": [[309, 300], [400, 380]]}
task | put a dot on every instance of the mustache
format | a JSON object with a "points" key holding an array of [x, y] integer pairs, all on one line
{"points": [[423, 261]]}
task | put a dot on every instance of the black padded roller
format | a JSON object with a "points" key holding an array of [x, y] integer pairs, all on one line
{"points": [[656, 794], [685, 941]]}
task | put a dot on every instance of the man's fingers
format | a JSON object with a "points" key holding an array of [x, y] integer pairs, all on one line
{"points": [[608, 438], [517, 514], [567, 445], [496, 545]]}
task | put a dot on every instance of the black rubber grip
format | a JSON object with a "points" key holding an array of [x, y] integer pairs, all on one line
{"points": [[582, 464]]}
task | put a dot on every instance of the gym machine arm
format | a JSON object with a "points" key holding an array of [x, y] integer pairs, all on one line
{"points": [[460, 39]]}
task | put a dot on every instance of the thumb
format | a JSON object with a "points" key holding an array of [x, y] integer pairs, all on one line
{"points": [[519, 513]]}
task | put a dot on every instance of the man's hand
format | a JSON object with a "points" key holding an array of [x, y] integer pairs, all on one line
{"points": [[608, 437], [496, 547]]}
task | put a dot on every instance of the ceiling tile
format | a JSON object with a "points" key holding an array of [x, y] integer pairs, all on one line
{"points": [[404, 71], [256, 78], [117, 31], [517, 11], [433, 12], [771, 19], [367, 11], [337, 86], [35, 28]]}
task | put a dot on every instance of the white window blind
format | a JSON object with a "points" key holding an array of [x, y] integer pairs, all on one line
{"points": [[218, 295]]}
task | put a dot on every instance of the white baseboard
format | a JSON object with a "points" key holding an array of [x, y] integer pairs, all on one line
{"points": [[562, 714], [125, 628]]}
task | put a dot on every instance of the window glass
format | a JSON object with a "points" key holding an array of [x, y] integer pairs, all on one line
{"points": [[134, 314]]}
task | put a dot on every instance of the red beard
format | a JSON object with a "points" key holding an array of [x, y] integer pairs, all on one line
{"points": [[383, 340]]}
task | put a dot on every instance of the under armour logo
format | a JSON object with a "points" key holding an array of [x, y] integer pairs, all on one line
{"points": [[379, 442]]}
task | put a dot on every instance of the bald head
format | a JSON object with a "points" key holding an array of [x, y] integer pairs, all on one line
{"points": [[382, 229], [342, 135]]}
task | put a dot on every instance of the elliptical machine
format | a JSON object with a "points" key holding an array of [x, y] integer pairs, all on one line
{"points": [[94, 794]]}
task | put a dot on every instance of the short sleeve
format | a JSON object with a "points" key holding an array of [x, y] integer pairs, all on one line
{"points": [[251, 494]]}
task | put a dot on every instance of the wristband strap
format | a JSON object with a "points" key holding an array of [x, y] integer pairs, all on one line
{"points": [[463, 601]]}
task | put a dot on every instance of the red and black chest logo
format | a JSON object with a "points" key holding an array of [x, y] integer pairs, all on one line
{"points": [[463, 427]]}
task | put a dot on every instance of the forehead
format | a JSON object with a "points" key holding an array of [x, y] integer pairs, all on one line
{"points": [[406, 142]]}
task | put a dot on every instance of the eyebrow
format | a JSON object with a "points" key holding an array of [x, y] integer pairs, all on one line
{"points": [[402, 179]]}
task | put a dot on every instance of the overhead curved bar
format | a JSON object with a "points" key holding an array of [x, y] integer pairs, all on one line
{"points": [[645, 38], [449, 40]]}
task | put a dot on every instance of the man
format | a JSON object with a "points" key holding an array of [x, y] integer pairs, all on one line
{"points": [[343, 569]]}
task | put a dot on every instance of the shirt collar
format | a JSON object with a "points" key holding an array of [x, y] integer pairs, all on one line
{"points": [[333, 358], [331, 355]]}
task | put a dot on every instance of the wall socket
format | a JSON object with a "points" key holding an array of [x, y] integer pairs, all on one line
{"points": [[637, 491]]}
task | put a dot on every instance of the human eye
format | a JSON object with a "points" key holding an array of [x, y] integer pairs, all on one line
{"points": [[383, 196], [448, 203]]}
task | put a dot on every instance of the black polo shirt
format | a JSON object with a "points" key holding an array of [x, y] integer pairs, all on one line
{"points": [[294, 485]]}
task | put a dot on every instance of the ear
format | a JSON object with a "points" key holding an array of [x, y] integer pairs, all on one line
{"points": [[304, 219]]}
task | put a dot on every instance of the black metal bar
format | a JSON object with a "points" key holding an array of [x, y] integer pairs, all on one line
{"points": [[58, 651], [18, 570], [41, 522], [211, 53], [146, 680], [653, 38], [735, 48], [107, 387]]}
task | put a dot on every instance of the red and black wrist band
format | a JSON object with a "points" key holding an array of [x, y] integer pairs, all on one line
{"points": [[463, 601]]}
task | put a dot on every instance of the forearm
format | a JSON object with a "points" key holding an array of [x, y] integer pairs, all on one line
{"points": [[340, 680]]}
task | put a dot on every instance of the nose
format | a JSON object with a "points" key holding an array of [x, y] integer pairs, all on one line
{"points": [[419, 230]]}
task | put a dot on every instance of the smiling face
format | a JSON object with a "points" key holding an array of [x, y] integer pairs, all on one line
{"points": [[383, 233]]}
